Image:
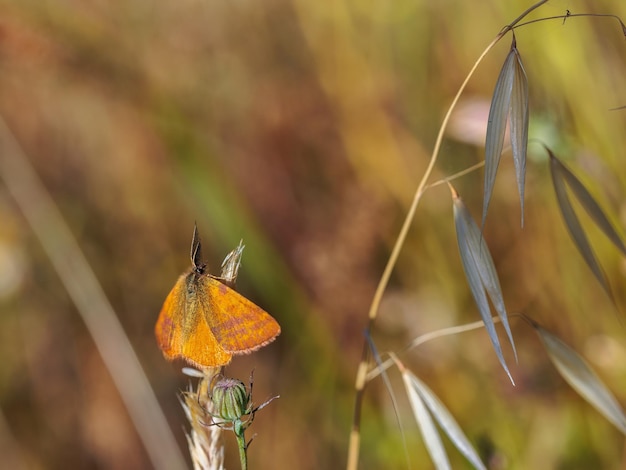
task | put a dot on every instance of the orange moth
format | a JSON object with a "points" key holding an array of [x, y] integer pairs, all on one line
{"points": [[205, 322]]}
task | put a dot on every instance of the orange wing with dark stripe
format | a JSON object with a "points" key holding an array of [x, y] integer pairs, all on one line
{"points": [[238, 325]]}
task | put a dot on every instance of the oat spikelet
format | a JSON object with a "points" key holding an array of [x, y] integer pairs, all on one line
{"points": [[205, 447]]}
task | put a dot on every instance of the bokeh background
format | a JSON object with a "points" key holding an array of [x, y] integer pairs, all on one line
{"points": [[303, 128]]}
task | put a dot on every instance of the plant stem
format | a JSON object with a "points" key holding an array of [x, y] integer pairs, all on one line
{"points": [[453, 330], [243, 448], [83, 287], [355, 439], [354, 443]]}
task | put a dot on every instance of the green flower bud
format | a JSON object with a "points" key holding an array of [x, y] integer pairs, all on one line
{"points": [[230, 399]]}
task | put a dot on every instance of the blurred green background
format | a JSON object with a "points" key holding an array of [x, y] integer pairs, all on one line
{"points": [[303, 128]]}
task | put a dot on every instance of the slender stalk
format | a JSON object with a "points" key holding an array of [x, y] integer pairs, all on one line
{"points": [[572, 15], [447, 179], [528, 11], [66, 257], [453, 330], [354, 443], [243, 450]]}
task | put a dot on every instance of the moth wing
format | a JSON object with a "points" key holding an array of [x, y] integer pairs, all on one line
{"points": [[181, 331], [239, 326], [168, 328]]}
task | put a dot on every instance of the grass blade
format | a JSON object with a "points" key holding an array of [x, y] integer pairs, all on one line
{"points": [[573, 224], [591, 206], [480, 274], [432, 440], [496, 126], [80, 281], [581, 377], [387, 383], [446, 421], [519, 123]]}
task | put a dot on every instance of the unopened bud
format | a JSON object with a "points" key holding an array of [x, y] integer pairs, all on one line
{"points": [[230, 399]]}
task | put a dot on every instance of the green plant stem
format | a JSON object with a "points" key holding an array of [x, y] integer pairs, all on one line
{"points": [[239, 428], [243, 449]]}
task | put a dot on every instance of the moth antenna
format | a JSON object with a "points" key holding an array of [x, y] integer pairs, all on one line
{"points": [[196, 250]]}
